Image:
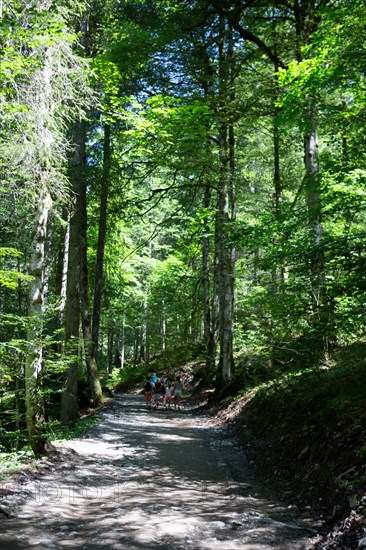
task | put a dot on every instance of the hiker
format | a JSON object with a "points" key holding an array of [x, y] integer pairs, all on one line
{"points": [[148, 392], [177, 392], [157, 392], [167, 396]]}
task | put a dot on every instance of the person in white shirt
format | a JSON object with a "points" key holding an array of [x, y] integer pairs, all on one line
{"points": [[167, 395], [177, 392]]}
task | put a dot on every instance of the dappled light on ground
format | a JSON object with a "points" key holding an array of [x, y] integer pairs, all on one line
{"points": [[150, 479]]}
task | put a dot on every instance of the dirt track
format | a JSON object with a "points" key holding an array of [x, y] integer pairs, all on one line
{"points": [[149, 479]]}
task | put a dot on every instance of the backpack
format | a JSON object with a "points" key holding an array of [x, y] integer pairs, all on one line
{"points": [[148, 386], [158, 387]]}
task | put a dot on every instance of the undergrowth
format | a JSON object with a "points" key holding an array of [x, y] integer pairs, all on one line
{"points": [[307, 430], [12, 462]]}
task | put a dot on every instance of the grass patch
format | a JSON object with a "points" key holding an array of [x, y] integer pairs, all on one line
{"points": [[11, 463], [57, 432]]}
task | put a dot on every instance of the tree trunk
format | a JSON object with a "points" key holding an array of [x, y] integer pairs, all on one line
{"points": [[65, 263], [210, 302], [225, 273], [69, 401], [306, 23], [34, 361], [98, 286], [90, 355], [123, 343], [136, 347], [110, 349], [232, 169], [37, 266], [313, 198], [225, 286], [144, 347], [276, 176], [163, 326], [209, 335]]}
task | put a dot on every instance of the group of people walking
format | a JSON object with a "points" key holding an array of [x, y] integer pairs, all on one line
{"points": [[160, 391]]}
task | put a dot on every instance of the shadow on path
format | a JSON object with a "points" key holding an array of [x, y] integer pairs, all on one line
{"points": [[149, 479]]}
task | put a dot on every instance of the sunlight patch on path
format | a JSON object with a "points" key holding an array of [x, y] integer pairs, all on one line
{"points": [[154, 480]]}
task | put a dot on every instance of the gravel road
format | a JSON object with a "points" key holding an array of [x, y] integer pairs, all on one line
{"points": [[144, 479]]}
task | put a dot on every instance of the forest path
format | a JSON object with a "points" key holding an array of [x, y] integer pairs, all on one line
{"points": [[143, 479]]}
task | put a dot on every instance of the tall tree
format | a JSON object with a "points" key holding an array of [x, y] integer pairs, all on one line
{"points": [[35, 415], [102, 230], [225, 264], [77, 298], [86, 319], [69, 403], [39, 47]]}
